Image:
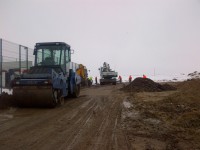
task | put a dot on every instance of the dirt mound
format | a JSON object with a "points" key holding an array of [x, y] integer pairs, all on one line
{"points": [[6, 100], [189, 86], [177, 113], [189, 93], [147, 85]]}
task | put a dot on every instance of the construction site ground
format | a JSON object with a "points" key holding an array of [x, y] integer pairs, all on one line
{"points": [[105, 117]]}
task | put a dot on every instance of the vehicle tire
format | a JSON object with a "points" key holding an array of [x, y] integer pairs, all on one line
{"points": [[55, 97], [61, 101], [76, 91]]}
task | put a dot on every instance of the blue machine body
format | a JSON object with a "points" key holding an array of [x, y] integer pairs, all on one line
{"points": [[52, 71]]}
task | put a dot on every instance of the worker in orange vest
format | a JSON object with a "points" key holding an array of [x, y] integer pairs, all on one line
{"points": [[120, 79], [130, 79], [144, 76]]}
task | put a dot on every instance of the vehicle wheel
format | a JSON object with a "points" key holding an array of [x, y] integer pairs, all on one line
{"points": [[61, 101], [76, 91], [56, 95]]}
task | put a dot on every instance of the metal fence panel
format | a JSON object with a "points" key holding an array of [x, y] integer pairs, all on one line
{"points": [[31, 58], [14, 60]]}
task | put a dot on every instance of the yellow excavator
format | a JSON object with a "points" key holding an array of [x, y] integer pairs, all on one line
{"points": [[82, 72]]}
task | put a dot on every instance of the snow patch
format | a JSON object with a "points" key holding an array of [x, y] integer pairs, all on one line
{"points": [[167, 77], [9, 91], [127, 104], [152, 121]]}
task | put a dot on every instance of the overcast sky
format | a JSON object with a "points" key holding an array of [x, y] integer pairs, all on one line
{"points": [[134, 36]]}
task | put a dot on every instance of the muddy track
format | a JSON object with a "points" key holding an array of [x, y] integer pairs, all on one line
{"points": [[104, 117], [89, 122]]}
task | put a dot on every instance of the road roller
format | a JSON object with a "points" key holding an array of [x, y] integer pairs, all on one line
{"points": [[50, 80]]}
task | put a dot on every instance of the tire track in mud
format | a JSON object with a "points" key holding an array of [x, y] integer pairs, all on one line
{"points": [[89, 122], [67, 130], [29, 116], [33, 127], [79, 127], [108, 133], [100, 125], [72, 133], [145, 130], [101, 134], [75, 133]]}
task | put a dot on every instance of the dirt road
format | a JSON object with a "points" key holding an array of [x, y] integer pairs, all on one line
{"points": [[104, 117], [89, 122]]}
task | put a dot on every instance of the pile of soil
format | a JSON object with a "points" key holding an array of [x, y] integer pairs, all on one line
{"points": [[184, 105], [147, 85], [174, 118], [6, 100]]}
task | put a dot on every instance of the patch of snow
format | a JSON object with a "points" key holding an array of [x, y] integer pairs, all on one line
{"points": [[9, 91], [133, 114], [194, 75], [166, 77], [152, 121], [127, 104]]}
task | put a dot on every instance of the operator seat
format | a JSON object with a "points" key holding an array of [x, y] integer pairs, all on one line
{"points": [[48, 61]]}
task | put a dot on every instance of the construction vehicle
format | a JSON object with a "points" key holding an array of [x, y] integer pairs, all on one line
{"points": [[82, 72], [107, 76], [52, 78]]}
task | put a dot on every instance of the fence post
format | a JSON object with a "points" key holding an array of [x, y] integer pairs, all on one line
{"points": [[26, 58], [1, 47], [20, 59]]}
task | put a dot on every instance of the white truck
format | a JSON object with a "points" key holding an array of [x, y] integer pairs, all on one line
{"points": [[107, 75]]}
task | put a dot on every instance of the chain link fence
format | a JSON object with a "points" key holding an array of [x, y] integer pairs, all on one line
{"points": [[15, 59]]}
